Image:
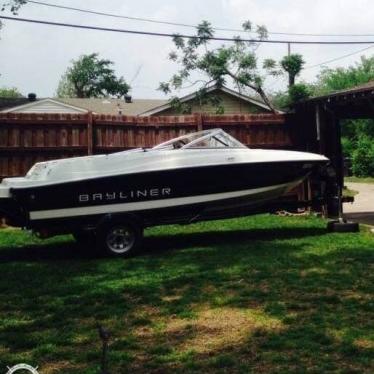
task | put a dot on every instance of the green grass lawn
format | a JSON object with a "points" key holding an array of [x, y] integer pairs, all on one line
{"points": [[264, 294], [349, 192], [359, 180]]}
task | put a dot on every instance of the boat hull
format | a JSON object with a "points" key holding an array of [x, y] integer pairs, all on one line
{"points": [[164, 196]]}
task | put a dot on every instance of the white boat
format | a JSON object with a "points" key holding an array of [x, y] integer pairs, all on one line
{"points": [[198, 176]]}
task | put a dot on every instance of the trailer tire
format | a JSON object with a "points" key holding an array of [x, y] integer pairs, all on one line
{"points": [[120, 237]]}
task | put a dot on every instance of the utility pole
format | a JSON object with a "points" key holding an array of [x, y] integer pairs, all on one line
{"points": [[291, 80]]}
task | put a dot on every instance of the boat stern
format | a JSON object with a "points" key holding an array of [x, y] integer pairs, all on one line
{"points": [[10, 210]]}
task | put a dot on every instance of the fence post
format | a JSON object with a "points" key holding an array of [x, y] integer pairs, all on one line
{"points": [[89, 133], [199, 121]]}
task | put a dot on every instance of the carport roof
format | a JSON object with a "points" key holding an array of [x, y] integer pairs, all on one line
{"points": [[361, 91], [352, 103]]}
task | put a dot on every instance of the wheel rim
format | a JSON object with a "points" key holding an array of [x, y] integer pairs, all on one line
{"points": [[120, 239]]}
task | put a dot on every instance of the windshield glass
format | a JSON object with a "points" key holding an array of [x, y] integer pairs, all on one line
{"points": [[216, 138]]}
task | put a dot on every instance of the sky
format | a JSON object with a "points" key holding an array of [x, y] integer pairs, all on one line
{"points": [[33, 57]]}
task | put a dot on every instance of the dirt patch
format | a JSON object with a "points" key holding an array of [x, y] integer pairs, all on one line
{"points": [[56, 367], [364, 343], [216, 328]]}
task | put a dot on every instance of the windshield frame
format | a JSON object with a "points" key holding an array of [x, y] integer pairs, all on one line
{"points": [[205, 134]]}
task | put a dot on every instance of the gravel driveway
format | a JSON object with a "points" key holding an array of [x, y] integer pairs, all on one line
{"points": [[362, 210]]}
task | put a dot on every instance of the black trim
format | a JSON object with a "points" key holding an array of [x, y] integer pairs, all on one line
{"points": [[180, 214]]}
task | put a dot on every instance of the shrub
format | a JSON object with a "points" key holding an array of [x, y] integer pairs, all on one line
{"points": [[348, 146], [298, 92], [363, 157], [295, 94]]}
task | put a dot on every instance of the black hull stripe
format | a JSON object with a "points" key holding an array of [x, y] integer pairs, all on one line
{"points": [[177, 184], [152, 204]]}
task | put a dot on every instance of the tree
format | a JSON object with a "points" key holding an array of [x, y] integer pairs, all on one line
{"points": [[293, 95], [10, 93], [14, 6], [65, 88], [237, 62], [293, 65], [90, 76], [330, 80]]}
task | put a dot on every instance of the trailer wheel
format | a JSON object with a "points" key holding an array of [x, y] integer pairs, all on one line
{"points": [[120, 238]]}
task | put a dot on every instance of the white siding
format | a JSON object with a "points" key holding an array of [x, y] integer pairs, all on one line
{"points": [[46, 106]]}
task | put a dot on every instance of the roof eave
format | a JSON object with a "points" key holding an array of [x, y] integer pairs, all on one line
{"points": [[32, 103], [209, 89]]}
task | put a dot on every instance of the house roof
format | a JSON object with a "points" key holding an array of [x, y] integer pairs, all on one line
{"points": [[210, 89], [7, 102], [75, 105], [112, 106], [136, 107], [45, 106]]}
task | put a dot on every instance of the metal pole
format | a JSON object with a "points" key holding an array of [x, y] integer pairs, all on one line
{"points": [[104, 335]]}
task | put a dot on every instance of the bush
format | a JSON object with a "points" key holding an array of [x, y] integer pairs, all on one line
{"points": [[363, 157], [295, 94], [348, 146], [298, 92]]}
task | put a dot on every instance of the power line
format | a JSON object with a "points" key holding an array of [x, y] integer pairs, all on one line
{"points": [[338, 58], [185, 24], [136, 73], [159, 34], [112, 15], [314, 34]]}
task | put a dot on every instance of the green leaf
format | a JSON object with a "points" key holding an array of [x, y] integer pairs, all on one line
{"points": [[90, 76], [247, 25]]}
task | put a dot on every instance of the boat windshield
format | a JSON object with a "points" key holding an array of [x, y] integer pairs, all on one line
{"points": [[216, 138]]}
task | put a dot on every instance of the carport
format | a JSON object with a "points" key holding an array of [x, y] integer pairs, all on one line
{"points": [[319, 129]]}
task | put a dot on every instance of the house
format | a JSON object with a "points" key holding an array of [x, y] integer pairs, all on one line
{"points": [[231, 101], [76, 105]]}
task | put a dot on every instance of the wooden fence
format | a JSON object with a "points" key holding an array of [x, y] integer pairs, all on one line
{"points": [[29, 138]]}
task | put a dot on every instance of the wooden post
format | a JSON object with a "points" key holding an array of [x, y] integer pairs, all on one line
{"points": [[322, 129], [89, 133], [199, 121], [334, 152], [339, 153]]}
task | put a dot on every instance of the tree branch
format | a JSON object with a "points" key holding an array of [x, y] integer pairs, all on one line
{"points": [[258, 89]]}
